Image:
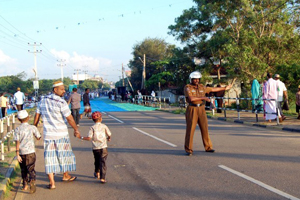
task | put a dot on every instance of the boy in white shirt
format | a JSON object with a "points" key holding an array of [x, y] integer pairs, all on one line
{"points": [[99, 134], [25, 149]]}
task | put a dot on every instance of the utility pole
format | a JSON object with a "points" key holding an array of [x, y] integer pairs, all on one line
{"points": [[77, 70], [85, 71], [61, 65], [144, 72], [36, 82], [123, 75]]}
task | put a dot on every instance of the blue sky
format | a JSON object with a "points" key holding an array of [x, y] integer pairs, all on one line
{"points": [[92, 35]]}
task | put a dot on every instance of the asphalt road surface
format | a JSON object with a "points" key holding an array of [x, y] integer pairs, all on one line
{"points": [[147, 161]]}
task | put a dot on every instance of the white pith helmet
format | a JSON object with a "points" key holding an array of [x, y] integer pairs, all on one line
{"points": [[195, 74]]}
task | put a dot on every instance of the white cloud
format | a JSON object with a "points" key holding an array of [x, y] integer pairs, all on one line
{"points": [[83, 62], [9, 66], [60, 54]]}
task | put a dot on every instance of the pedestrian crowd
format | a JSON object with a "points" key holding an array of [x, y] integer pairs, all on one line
{"points": [[9, 101], [55, 112], [272, 97]]}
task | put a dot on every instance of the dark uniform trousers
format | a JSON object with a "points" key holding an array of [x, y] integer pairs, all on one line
{"points": [[196, 115], [27, 167]]}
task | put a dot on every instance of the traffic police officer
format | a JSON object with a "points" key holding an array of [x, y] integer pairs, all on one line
{"points": [[195, 111]]}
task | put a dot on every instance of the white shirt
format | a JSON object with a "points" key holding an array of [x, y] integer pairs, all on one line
{"points": [[54, 111], [140, 96], [153, 94], [24, 134], [19, 98], [99, 133], [281, 88]]}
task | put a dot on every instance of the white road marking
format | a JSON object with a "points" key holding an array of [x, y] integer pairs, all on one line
{"points": [[261, 184], [154, 137], [116, 119], [104, 113]]}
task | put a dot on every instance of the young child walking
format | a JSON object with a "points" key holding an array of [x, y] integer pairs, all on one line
{"points": [[99, 134], [25, 150]]}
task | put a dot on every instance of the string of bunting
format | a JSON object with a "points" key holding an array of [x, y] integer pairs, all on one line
{"points": [[107, 18]]}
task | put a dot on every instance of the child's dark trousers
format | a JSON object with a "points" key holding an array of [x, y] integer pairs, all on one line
{"points": [[100, 156], [27, 167]]}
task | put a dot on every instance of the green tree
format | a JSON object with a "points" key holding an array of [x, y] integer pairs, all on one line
{"points": [[10, 84], [155, 49], [93, 85], [106, 86], [248, 37]]}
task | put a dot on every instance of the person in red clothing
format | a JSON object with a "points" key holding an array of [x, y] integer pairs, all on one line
{"points": [[86, 103]]}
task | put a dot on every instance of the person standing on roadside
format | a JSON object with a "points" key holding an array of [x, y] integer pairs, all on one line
{"points": [[271, 92], [58, 154], [282, 92], [3, 103], [86, 103], [298, 102], [19, 99], [75, 99], [195, 111]]}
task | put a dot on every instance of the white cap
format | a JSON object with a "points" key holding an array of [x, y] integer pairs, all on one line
{"points": [[195, 74], [57, 83], [22, 114], [277, 76]]}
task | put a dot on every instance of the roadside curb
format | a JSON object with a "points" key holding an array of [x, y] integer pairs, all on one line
{"points": [[4, 183], [279, 127]]}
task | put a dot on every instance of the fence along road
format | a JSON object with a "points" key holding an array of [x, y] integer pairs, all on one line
{"points": [[143, 167]]}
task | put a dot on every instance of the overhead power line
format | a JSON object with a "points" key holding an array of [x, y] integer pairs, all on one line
{"points": [[23, 34]]}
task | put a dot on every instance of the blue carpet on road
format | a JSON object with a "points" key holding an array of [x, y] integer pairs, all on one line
{"points": [[106, 105]]}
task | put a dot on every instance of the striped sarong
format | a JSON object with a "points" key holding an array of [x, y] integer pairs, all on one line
{"points": [[59, 156]]}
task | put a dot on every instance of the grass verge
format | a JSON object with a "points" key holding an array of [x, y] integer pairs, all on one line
{"points": [[16, 173], [179, 111]]}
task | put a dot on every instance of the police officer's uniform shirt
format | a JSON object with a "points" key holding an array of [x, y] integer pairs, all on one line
{"points": [[196, 91]]}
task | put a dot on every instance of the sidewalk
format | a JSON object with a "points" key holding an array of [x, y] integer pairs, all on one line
{"points": [[7, 166], [291, 124]]}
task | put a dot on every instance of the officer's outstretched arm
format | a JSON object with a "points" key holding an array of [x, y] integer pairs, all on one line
{"points": [[193, 99], [218, 89]]}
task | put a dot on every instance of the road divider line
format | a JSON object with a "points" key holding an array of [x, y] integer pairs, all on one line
{"points": [[116, 119], [154, 137], [104, 113], [261, 184]]}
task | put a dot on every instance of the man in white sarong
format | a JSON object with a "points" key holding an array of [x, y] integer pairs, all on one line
{"points": [[270, 92]]}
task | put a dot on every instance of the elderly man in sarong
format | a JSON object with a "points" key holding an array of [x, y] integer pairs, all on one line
{"points": [[270, 92]]}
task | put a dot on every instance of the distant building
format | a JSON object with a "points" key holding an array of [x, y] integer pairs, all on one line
{"points": [[96, 78], [83, 77]]}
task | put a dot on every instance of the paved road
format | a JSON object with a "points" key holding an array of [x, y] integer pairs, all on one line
{"points": [[147, 161]]}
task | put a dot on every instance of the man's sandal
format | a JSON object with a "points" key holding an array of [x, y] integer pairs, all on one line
{"points": [[50, 187], [102, 181], [72, 178]]}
